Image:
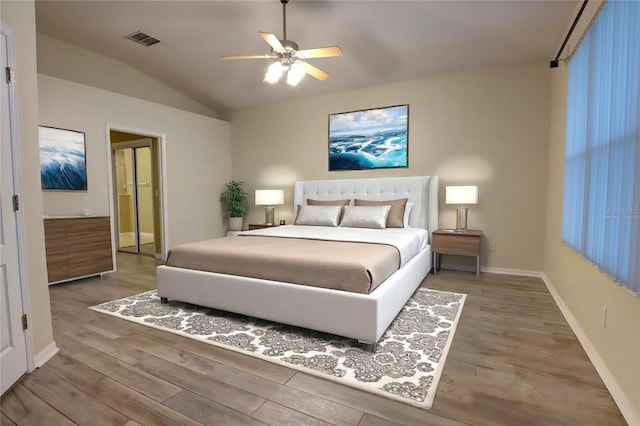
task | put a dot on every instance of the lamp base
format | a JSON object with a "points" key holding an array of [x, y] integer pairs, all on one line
{"points": [[461, 219], [269, 215]]}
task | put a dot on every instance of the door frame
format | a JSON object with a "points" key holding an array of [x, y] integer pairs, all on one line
{"points": [[162, 187], [17, 186]]}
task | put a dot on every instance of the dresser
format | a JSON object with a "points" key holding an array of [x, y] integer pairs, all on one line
{"points": [[77, 247]]}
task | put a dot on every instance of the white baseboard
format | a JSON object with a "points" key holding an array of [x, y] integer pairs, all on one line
{"points": [[505, 271], [624, 404], [45, 355], [492, 270]]}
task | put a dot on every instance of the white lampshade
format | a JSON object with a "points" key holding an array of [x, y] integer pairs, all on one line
{"points": [[269, 197], [461, 195]]}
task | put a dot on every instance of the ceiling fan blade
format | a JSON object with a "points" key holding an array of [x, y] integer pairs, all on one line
{"points": [[320, 52], [314, 71], [273, 42], [263, 56]]}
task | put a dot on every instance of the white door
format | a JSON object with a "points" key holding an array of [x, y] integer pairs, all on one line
{"points": [[13, 349]]}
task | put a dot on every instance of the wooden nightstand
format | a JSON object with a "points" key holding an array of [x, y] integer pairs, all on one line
{"points": [[461, 243], [253, 226]]}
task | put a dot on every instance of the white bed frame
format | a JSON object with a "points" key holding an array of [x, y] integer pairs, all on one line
{"points": [[364, 317]]}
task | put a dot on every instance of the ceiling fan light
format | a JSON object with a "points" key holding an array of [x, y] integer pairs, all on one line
{"points": [[274, 72], [295, 74]]}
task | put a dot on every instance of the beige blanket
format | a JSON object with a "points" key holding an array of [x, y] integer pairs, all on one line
{"points": [[348, 266]]}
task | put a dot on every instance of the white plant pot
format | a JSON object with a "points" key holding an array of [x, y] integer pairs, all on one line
{"points": [[235, 224]]}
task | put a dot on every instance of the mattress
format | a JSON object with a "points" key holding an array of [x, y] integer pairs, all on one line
{"points": [[347, 259]]}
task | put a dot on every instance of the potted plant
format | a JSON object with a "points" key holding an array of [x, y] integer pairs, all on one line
{"points": [[233, 200]]}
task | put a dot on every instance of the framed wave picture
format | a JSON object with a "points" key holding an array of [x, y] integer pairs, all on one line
{"points": [[63, 164], [369, 139]]}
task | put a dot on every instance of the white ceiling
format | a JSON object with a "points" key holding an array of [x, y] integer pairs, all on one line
{"points": [[383, 41]]}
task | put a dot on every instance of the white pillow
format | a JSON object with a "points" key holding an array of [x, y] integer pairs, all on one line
{"points": [[407, 213], [365, 216], [318, 215]]}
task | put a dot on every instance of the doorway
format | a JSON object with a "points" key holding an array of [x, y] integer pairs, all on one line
{"points": [[136, 194]]}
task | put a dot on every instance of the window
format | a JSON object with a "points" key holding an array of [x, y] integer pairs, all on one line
{"points": [[601, 217]]}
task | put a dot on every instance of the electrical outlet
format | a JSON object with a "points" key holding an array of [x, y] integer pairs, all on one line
{"points": [[604, 316], [492, 246]]}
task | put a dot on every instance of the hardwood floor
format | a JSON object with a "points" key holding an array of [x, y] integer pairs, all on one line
{"points": [[514, 361]]}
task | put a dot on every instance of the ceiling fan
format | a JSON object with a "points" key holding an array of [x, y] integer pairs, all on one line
{"points": [[290, 59]]}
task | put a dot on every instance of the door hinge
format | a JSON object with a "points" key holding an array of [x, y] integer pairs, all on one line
{"points": [[25, 322], [16, 203], [9, 72]]}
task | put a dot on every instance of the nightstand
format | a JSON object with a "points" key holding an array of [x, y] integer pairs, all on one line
{"points": [[253, 226], [460, 243]]}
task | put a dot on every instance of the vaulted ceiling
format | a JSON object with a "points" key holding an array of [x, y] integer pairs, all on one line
{"points": [[383, 41]]}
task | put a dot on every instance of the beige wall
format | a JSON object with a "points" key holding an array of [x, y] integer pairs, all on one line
{"points": [[487, 127], [197, 154], [584, 290], [70, 62], [20, 16]]}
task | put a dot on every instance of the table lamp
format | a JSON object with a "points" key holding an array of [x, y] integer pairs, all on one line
{"points": [[461, 195], [269, 198]]}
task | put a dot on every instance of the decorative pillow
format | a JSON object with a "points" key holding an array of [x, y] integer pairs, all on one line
{"points": [[396, 215], [318, 215], [407, 213], [365, 216], [311, 202]]}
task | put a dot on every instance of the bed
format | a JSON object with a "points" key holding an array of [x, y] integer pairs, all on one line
{"points": [[363, 317]]}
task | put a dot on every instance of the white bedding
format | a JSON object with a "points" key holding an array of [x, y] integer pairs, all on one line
{"points": [[408, 241]]}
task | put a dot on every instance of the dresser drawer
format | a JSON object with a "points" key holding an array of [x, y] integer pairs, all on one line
{"points": [[456, 244]]}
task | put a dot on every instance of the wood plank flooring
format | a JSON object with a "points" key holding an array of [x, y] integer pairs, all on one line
{"points": [[514, 361]]}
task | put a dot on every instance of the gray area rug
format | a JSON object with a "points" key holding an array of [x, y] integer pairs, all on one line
{"points": [[406, 367]]}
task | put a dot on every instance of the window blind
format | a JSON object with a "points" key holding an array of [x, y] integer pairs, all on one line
{"points": [[601, 216]]}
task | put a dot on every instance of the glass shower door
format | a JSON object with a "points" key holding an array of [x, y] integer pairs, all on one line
{"points": [[135, 199]]}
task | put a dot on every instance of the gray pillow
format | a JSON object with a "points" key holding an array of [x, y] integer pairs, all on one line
{"points": [[396, 215], [365, 216], [318, 215], [312, 202]]}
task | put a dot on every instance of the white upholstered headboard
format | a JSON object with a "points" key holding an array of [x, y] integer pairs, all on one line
{"points": [[422, 191]]}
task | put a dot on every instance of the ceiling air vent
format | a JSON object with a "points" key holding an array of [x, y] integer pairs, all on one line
{"points": [[142, 38]]}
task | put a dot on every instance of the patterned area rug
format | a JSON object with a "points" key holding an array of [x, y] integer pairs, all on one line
{"points": [[406, 366]]}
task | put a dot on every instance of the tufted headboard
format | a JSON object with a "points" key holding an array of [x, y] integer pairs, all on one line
{"points": [[422, 191]]}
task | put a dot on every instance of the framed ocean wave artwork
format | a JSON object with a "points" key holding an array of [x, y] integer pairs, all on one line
{"points": [[63, 164], [369, 139]]}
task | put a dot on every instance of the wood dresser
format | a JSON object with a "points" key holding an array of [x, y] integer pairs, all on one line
{"points": [[77, 247]]}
